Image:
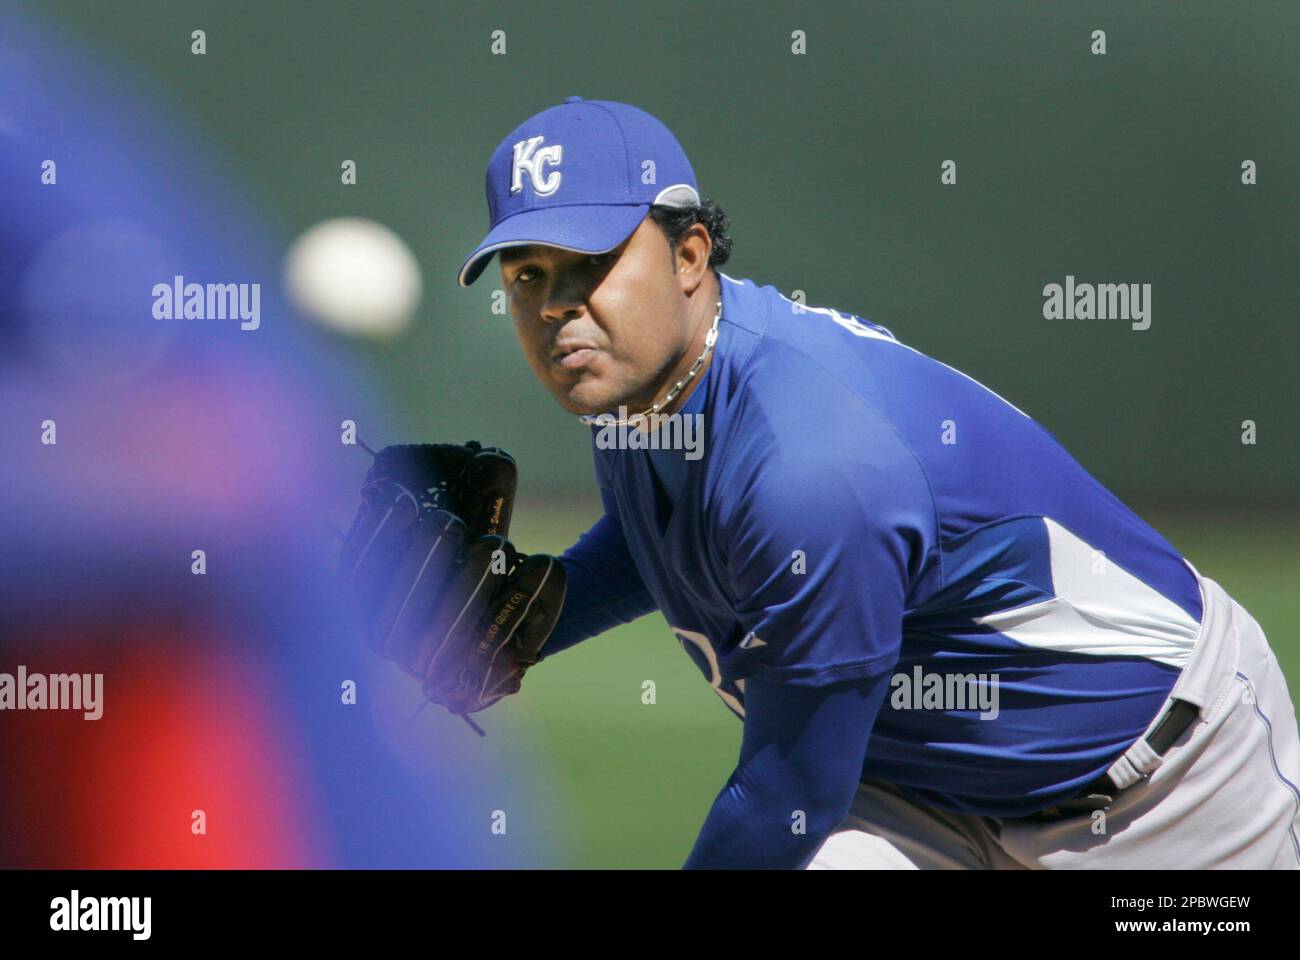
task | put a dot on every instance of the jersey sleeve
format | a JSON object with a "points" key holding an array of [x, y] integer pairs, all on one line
{"points": [[822, 543], [803, 749], [604, 590]]}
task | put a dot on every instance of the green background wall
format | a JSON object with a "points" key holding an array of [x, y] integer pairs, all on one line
{"points": [[1115, 168]]}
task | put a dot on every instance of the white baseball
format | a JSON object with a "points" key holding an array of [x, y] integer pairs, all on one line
{"points": [[355, 276]]}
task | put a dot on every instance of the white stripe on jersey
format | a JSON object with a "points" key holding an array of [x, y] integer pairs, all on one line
{"points": [[1099, 609]]}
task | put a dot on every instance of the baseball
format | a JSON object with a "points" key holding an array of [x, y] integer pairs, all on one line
{"points": [[354, 276]]}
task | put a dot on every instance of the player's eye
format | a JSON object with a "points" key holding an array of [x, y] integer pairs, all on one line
{"points": [[600, 260]]}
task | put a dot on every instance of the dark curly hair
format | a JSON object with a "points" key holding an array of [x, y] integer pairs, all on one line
{"points": [[675, 221]]}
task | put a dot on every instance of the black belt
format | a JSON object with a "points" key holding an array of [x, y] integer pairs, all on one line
{"points": [[1101, 793]]}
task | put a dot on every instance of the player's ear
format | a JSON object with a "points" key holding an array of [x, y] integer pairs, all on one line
{"points": [[691, 258]]}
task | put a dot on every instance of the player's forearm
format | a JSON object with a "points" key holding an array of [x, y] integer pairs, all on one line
{"points": [[800, 763], [589, 608], [749, 829], [605, 590]]}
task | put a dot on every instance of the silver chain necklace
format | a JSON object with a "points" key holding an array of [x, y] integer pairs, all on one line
{"points": [[609, 420]]}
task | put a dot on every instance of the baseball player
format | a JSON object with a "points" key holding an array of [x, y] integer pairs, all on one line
{"points": [[950, 646]]}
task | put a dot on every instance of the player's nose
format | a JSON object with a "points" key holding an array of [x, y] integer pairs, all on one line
{"points": [[565, 300]]}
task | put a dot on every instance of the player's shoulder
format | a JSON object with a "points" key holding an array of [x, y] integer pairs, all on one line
{"points": [[796, 368], [814, 357], [801, 353], [787, 415], [790, 323]]}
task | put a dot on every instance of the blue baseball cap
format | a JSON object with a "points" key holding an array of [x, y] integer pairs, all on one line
{"points": [[580, 176]]}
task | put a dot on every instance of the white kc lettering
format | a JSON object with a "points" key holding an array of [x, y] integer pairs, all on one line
{"points": [[528, 157]]}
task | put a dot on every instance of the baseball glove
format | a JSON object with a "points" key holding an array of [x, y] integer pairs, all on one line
{"points": [[436, 582]]}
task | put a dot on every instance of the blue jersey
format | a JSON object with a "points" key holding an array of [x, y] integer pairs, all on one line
{"points": [[861, 509]]}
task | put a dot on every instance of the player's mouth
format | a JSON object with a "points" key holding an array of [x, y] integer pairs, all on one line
{"points": [[574, 354]]}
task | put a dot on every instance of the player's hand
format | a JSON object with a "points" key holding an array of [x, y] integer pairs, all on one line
{"points": [[437, 585]]}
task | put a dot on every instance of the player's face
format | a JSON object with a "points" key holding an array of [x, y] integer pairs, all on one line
{"points": [[600, 330]]}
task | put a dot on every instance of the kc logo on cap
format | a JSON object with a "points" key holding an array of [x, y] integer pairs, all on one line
{"points": [[529, 158]]}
